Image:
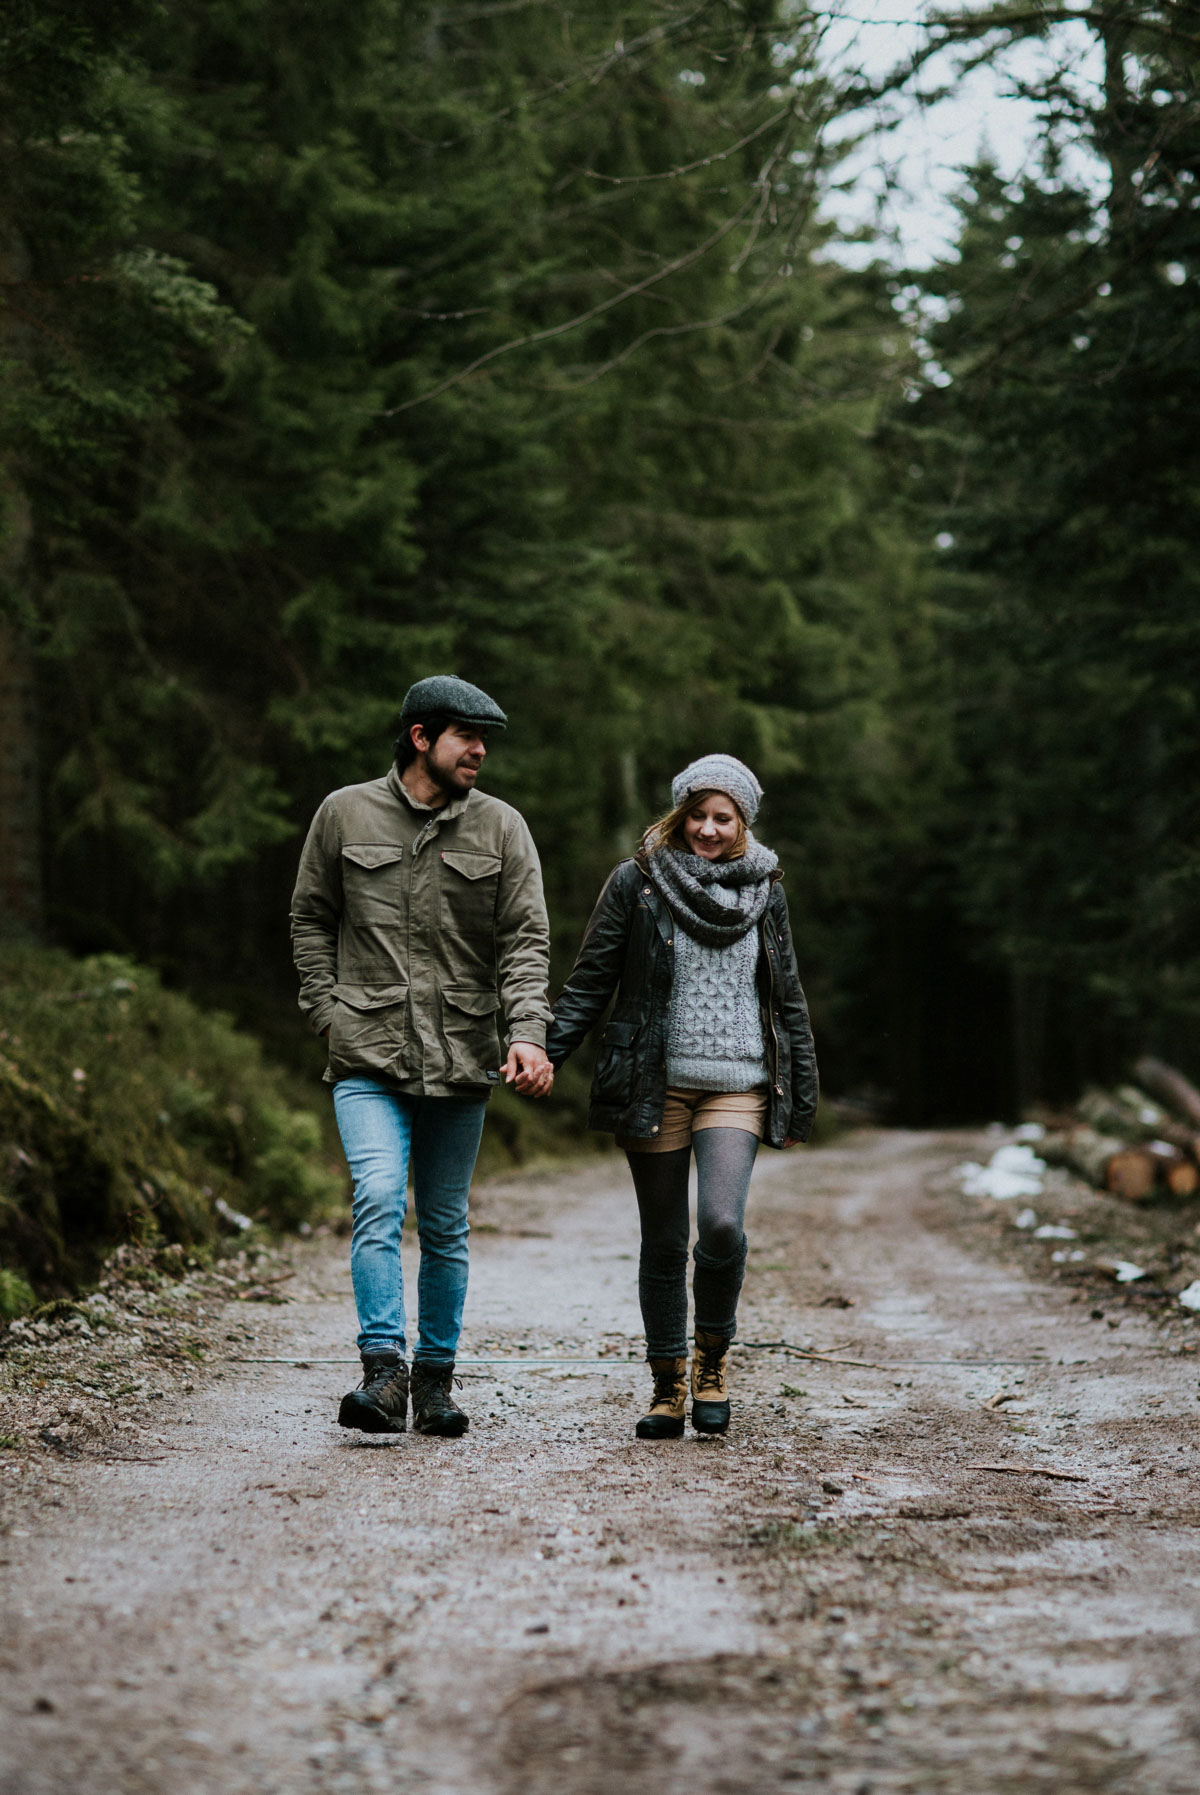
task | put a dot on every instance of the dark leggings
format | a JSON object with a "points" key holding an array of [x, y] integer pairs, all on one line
{"points": [[724, 1160]]}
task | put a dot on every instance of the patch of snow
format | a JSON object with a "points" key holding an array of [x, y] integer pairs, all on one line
{"points": [[1018, 1159], [1012, 1171], [1126, 1272], [1030, 1131], [1190, 1298], [1054, 1231], [1027, 1218]]}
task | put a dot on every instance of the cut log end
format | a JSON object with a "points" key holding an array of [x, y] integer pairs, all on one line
{"points": [[1132, 1174], [1183, 1179]]}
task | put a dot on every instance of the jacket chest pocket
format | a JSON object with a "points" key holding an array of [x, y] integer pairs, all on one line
{"points": [[371, 882], [469, 885]]}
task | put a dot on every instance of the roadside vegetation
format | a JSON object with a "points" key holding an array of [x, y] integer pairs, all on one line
{"points": [[130, 1114]]}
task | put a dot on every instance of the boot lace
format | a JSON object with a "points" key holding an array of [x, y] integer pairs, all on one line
{"points": [[377, 1376], [710, 1359], [429, 1385]]}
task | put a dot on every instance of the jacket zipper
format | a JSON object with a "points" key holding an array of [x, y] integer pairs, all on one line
{"points": [[771, 1020]]}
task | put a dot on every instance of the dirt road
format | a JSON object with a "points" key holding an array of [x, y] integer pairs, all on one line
{"points": [[837, 1597]]}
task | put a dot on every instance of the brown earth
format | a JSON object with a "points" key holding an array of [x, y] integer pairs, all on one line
{"points": [[210, 1587]]}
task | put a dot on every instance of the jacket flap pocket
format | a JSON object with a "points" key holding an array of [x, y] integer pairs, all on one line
{"points": [[471, 866], [620, 1034], [473, 1003], [370, 997], [385, 854]]}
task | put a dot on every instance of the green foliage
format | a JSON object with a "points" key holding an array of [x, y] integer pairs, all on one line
{"points": [[127, 1111], [1062, 459], [17, 1296], [384, 339]]}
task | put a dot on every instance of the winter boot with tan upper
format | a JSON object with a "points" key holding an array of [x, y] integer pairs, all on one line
{"points": [[710, 1394], [664, 1421]]}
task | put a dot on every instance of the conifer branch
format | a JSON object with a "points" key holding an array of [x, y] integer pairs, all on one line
{"points": [[676, 266]]}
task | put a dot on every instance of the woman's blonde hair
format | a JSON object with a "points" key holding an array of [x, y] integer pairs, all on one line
{"points": [[667, 832]]}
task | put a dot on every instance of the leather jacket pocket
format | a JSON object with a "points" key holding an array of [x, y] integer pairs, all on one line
{"points": [[616, 1063]]}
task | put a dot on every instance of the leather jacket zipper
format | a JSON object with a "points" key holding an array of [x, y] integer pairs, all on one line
{"points": [[771, 1018]]}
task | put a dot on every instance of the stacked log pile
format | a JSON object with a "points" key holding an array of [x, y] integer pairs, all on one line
{"points": [[1135, 1141]]}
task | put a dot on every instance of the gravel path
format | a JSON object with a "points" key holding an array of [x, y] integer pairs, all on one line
{"points": [[837, 1597]]}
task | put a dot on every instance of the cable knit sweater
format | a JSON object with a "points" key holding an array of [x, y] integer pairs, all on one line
{"points": [[714, 1027]]}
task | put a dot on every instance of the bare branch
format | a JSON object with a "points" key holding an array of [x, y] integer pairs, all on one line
{"points": [[570, 324], [687, 168]]}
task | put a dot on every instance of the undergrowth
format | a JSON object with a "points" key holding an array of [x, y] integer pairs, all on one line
{"points": [[128, 1112]]}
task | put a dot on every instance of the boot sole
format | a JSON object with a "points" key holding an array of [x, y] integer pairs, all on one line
{"points": [[710, 1417], [366, 1418], [452, 1428], [659, 1427]]}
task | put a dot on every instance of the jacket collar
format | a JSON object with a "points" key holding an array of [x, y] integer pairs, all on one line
{"points": [[443, 812]]}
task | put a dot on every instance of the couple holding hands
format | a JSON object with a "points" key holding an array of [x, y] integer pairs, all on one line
{"points": [[418, 918]]}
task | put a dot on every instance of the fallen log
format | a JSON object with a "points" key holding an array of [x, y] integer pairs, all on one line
{"points": [[1107, 1162], [1131, 1115], [1179, 1173], [1132, 1173], [1170, 1087]]}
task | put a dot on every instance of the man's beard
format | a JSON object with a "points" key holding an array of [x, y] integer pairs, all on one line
{"points": [[448, 780]]}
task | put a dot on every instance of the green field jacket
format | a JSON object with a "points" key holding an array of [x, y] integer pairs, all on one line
{"points": [[412, 929]]}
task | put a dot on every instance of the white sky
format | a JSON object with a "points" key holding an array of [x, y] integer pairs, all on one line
{"points": [[921, 159]]}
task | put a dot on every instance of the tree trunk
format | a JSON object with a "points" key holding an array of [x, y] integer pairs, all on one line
{"points": [[20, 818], [20, 832]]}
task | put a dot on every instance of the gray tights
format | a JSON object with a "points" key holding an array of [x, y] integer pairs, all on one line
{"points": [[724, 1159]]}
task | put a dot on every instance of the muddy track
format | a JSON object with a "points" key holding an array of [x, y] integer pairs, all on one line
{"points": [[840, 1596]]}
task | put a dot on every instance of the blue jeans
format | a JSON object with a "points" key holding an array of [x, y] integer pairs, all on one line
{"points": [[380, 1131]]}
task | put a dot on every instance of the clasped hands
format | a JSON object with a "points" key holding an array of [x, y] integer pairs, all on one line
{"points": [[528, 1070]]}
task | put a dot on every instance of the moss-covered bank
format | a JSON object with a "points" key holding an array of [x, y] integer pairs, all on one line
{"points": [[129, 1112]]}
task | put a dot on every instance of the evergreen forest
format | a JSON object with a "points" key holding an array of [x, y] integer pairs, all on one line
{"points": [[344, 344]]}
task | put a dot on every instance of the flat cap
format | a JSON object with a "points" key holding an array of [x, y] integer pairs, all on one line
{"points": [[445, 695]]}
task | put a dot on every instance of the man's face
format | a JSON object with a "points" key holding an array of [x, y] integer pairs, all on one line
{"points": [[454, 760]]}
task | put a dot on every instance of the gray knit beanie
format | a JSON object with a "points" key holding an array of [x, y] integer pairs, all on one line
{"points": [[719, 773]]}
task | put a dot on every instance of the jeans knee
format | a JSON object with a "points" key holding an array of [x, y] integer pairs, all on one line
{"points": [[445, 1240], [379, 1203]]}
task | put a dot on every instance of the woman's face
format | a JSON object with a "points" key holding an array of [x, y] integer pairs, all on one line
{"points": [[710, 828]]}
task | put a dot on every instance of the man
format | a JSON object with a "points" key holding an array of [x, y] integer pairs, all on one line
{"points": [[418, 915]]}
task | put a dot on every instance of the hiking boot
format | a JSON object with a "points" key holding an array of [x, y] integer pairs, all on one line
{"points": [[710, 1396], [380, 1404], [434, 1408], [664, 1419]]}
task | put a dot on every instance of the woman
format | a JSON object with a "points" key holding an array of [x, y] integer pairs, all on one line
{"points": [[707, 1051]]}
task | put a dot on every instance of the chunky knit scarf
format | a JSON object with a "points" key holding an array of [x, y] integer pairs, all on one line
{"points": [[715, 901]]}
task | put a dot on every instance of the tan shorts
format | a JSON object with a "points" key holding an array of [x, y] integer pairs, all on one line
{"points": [[685, 1113]]}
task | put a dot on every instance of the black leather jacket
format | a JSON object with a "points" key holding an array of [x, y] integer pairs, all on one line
{"points": [[629, 947]]}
